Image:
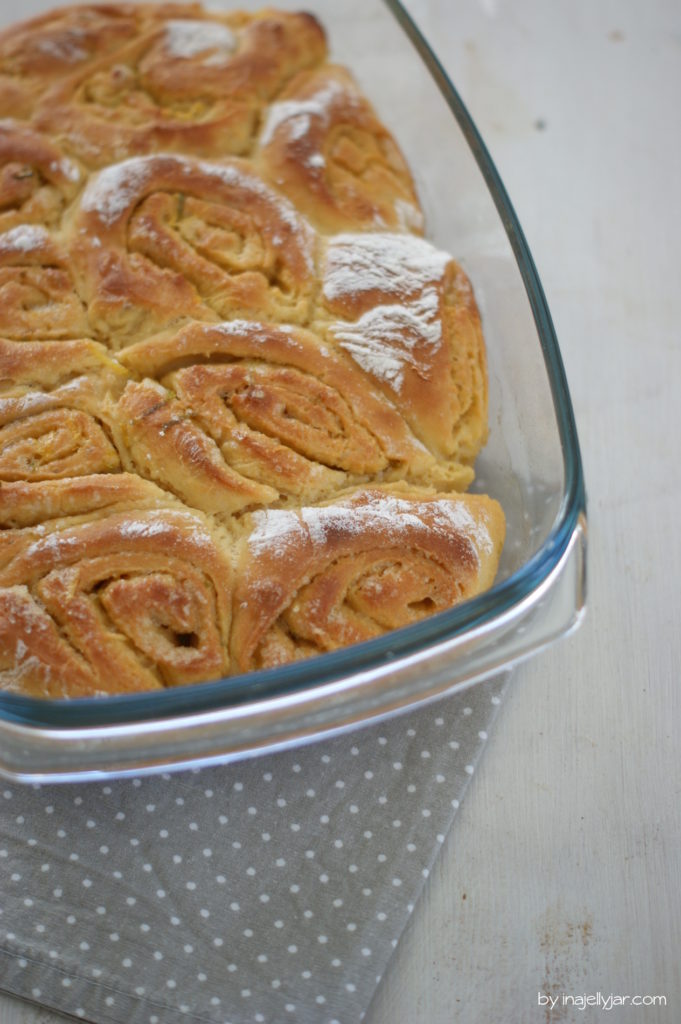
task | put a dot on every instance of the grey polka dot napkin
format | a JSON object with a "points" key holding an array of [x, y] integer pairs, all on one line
{"points": [[270, 890]]}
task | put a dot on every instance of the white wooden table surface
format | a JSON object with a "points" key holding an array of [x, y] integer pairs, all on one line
{"points": [[563, 871]]}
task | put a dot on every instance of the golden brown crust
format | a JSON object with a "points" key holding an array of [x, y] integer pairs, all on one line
{"points": [[37, 294], [189, 85], [405, 312], [165, 444], [324, 147], [237, 388], [34, 54], [53, 420], [36, 180], [285, 410], [137, 598], [160, 238], [322, 577]]}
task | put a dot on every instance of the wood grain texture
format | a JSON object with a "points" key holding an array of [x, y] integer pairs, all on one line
{"points": [[567, 846]]}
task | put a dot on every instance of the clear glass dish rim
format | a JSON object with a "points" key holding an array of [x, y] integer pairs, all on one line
{"points": [[473, 614]]}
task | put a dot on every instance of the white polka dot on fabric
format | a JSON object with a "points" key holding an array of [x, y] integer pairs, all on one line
{"points": [[323, 810]]}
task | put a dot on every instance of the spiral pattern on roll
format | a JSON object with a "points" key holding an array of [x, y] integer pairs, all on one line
{"points": [[285, 412], [53, 418], [160, 238], [325, 148], [132, 600], [323, 577]]}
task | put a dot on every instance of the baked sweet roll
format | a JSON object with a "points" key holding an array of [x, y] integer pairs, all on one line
{"points": [[188, 81], [53, 410], [325, 576], [38, 298], [292, 418], [133, 595], [325, 148], [36, 180], [406, 314], [160, 238], [162, 441], [37, 53]]}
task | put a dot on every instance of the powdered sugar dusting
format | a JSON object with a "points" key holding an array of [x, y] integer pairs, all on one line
{"points": [[185, 38], [55, 546], [273, 530], [297, 114], [170, 525], [67, 168], [143, 528], [111, 191], [63, 48], [393, 264], [408, 215], [401, 520], [24, 238], [384, 339]]}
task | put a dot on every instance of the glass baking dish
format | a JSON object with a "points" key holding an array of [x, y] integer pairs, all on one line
{"points": [[531, 464]]}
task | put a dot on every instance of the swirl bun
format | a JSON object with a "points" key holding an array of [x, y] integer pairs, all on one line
{"points": [[159, 238], [286, 411], [131, 599], [53, 420], [325, 148], [406, 313], [322, 577]]}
